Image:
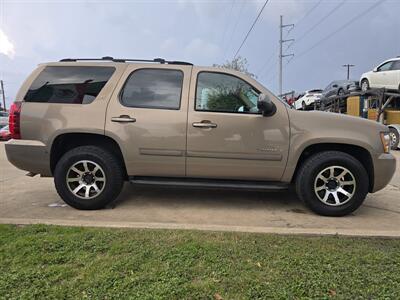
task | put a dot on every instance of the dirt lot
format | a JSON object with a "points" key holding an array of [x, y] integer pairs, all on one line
{"points": [[25, 200]]}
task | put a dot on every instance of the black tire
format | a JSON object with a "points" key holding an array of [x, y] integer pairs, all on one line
{"points": [[110, 166], [310, 169], [303, 106], [366, 82], [394, 138]]}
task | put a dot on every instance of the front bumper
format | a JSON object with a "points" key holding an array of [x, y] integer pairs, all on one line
{"points": [[29, 155], [384, 169]]}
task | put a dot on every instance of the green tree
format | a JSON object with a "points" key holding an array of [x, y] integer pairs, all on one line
{"points": [[238, 64]]}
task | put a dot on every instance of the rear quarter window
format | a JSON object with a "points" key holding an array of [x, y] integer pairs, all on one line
{"points": [[75, 85]]}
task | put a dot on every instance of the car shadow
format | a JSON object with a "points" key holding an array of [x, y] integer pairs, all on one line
{"points": [[210, 198]]}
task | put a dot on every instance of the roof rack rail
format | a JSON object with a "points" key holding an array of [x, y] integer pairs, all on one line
{"points": [[109, 58]]}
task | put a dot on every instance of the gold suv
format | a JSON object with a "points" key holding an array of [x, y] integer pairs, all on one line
{"points": [[94, 123]]}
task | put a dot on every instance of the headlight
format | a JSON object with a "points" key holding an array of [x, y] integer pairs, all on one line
{"points": [[385, 138]]}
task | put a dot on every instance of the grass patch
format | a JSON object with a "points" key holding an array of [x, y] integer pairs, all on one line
{"points": [[69, 262]]}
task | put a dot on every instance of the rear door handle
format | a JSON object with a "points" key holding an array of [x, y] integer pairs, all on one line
{"points": [[204, 124], [123, 119]]}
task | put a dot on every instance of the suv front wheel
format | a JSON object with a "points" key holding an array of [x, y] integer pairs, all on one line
{"points": [[332, 183], [88, 177]]}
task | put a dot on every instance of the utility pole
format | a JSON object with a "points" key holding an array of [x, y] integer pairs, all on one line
{"points": [[4, 96], [281, 54], [348, 66]]}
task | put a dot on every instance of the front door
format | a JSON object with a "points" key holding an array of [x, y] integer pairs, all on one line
{"points": [[147, 116], [227, 137], [381, 78]]}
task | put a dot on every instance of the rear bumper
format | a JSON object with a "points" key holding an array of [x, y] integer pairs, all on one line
{"points": [[384, 168], [29, 155]]}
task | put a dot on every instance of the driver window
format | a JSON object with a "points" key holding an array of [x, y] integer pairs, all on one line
{"points": [[385, 67], [218, 92]]}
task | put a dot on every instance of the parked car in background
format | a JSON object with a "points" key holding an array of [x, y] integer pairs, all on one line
{"points": [[386, 75], [337, 88], [5, 134], [340, 88], [3, 118], [308, 99]]}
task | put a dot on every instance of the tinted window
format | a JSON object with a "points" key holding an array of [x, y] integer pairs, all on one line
{"points": [[396, 65], [153, 88], [79, 85], [225, 93], [385, 66]]}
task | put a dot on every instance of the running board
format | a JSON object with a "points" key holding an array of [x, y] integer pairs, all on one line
{"points": [[209, 183]]}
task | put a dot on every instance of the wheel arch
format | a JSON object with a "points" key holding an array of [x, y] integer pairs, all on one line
{"points": [[361, 81], [395, 126], [358, 152], [67, 141]]}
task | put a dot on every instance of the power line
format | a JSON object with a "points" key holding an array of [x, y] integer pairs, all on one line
{"points": [[276, 52], [234, 27], [321, 20], [281, 54], [3, 95], [227, 22], [348, 66], [251, 28], [267, 61], [352, 20], [308, 12]]}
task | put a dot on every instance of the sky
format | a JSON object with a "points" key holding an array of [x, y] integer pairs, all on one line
{"points": [[327, 33]]}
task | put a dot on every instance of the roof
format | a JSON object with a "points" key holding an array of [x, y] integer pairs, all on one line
{"points": [[124, 60]]}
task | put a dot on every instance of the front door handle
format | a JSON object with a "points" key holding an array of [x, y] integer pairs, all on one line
{"points": [[123, 119], [204, 124]]}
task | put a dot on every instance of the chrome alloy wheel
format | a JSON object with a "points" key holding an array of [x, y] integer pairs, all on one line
{"points": [[335, 186], [364, 86], [86, 179], [393, 139]]}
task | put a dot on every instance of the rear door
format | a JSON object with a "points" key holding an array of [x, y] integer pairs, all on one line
{"points": [[394, 76], [227, 137], [147, 116]]}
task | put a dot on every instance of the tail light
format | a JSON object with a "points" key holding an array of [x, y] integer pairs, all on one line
{"points": [[14, 120]]}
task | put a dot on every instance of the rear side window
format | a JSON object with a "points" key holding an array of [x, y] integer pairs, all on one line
{"points": [[396, 65], [79, 85], [153, 88]]}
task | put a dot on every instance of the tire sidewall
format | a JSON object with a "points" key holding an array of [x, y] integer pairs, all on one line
{"points": [[60, 175], [359, 174], [362, 83], [396, 133]]}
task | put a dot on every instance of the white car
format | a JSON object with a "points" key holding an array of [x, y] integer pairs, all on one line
{"points": [[3, 118], [386, 75], [308, 99]]}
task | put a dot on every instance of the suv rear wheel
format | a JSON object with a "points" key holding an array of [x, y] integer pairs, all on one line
{"points": [[332, 183], [88, 177]]}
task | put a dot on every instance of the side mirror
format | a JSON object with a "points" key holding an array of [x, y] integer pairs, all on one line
{"points": [[375, 69], [335, 86], [265, 105]]}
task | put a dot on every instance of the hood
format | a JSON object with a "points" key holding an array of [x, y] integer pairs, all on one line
{"points": [[337, 121], [326, 127], [363, 75]]}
